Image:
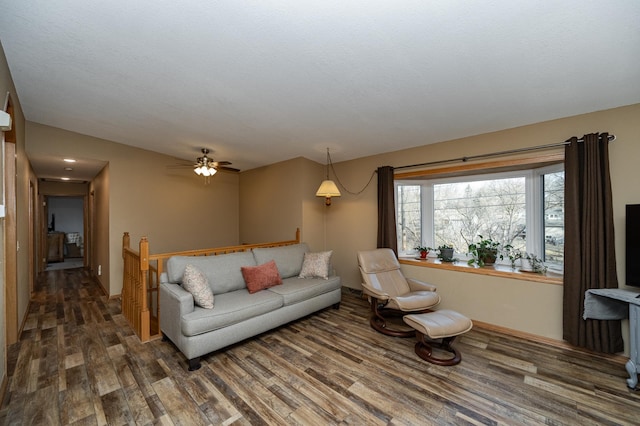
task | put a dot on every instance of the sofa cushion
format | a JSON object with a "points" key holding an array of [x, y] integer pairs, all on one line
{"points": [[222, 271], [230, 308], [287, 258], [195, 282], [261, 277], [316, 265], [294, 290]]}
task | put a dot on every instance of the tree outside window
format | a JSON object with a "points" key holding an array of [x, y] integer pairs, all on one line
{"points": [[492, 208]]}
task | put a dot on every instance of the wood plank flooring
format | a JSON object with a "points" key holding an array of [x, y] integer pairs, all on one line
{"points": [[78, 362]]}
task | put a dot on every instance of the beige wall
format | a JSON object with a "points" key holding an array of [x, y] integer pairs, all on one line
{"points": [[5, 85], [350, 223], [521, 305], [98, 216], [63, 188], [529, 307], [277, 199], [24, 177], [174, 209], [624, 158], [22, 230]]}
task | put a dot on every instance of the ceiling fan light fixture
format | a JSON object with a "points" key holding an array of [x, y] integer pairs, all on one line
{"points": [[205, 171], [205, 166]]}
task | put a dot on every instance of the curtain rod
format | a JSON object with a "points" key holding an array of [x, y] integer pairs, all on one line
{"points": [[610, 138]]}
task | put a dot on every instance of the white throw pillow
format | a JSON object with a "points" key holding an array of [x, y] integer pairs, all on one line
{"points": [[316, 265], [195, 282]]}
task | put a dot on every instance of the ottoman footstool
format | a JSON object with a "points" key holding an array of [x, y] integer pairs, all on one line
{"points": [[441, 327]]}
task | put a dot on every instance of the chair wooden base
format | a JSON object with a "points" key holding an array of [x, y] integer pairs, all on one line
{"points": [[379, 316], [424, 349], [438, 330]]}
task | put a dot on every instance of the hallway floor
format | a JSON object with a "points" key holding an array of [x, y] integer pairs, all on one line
{"points": [[69, 263]]}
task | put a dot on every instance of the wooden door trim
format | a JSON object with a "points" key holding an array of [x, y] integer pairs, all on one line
{"points": [[10, 230]]}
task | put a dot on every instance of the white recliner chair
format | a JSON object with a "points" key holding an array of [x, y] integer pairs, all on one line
{"points": [[390, 293]]}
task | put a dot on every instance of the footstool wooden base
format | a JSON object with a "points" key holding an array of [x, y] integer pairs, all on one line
{"points": [[438, 329]]}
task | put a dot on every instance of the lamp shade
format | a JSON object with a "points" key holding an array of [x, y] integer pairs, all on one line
{"points": [[328, 189]]}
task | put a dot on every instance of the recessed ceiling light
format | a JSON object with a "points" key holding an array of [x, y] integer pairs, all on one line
{"points": [[68, 169], [64, 178], [69, 160]]}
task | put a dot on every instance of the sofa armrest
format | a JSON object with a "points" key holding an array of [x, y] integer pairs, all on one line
{"points": [[416, 285], [174, 303]]}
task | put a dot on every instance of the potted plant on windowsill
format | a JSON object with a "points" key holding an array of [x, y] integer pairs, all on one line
{"points": [[423, 251], [445, 253], [530, 262], [486, 251]]}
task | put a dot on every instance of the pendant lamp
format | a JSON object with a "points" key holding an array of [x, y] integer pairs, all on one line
{"points": [[328, 188]]}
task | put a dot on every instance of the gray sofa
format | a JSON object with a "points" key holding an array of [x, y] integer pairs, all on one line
{"points": [[238, 314]]}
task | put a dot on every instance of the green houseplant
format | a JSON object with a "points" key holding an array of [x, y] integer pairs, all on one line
{"points": [[530, 262], [423, 250], [445, 253], [486, 251]]}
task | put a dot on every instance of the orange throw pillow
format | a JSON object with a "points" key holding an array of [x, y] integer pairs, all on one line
{"points": [[261, 277]]}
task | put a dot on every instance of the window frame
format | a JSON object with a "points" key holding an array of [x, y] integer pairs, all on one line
{"points": [[540, 173], [532, 168]]}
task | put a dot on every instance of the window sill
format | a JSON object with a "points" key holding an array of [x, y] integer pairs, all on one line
{"points": [[495, 270]]}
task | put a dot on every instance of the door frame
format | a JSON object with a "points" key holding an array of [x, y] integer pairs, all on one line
{"points": [[10, 228], [44, 224]]}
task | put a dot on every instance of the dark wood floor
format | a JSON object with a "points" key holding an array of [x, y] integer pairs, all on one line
{"points": [[78, 362]]}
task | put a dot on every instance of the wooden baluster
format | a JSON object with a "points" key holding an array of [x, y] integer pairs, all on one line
{"points": [[126, 279], [145, 327]]}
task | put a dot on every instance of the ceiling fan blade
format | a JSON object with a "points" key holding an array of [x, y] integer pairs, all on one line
{"points": [[180, 166], [221, 163], [228, 169]]}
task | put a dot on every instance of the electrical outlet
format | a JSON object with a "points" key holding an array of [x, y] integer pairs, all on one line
{"points": [[99, 269]]}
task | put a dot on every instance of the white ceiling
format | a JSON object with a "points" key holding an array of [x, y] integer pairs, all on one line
{"points": [[259, 82]]}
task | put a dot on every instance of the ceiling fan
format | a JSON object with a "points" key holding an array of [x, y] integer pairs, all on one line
{"points": [[205, 166]]}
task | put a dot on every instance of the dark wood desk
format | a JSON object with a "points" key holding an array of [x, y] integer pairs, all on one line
{"points": [[55, 247]]}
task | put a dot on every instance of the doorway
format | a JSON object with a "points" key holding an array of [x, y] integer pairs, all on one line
{"points": [[66, 237]]}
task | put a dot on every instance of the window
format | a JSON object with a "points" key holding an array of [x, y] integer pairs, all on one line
{"points": [[522, 208], [553, 192]]}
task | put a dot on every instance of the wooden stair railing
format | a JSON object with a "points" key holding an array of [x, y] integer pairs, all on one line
{"points": [[135, 306], [140, 283]]}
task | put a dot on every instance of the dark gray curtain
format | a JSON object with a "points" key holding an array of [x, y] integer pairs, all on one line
{"points": [[387, 237], [590, 259]]}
